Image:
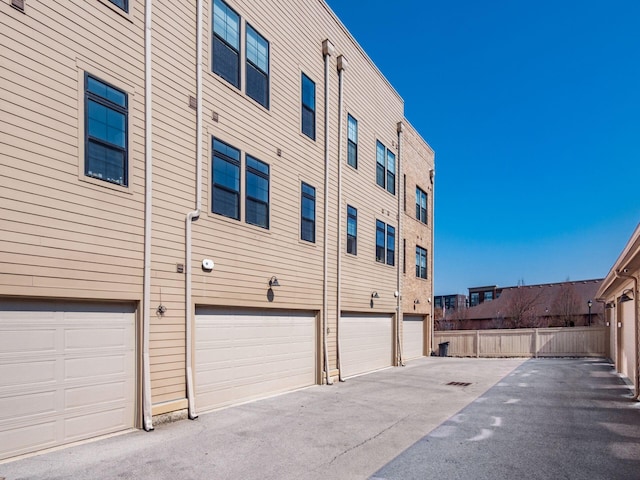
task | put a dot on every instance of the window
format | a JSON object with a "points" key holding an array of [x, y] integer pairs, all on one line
{"points": [[385, 168], [308, 213], [257, 197], [404, 255], [106, 132], [475, 299], [123, 4], [352, 230], [421, 205], [421, 262], [380, 164], [308, 107], [380, 229], [385, 243], [391, 172], [226, 43], [391, 245], [226, 180], [257, 67], [352, 141]]}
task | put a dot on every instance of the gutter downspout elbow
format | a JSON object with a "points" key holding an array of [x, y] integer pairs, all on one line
{"points": [[327, 51], [637, 330], [190, 218]]}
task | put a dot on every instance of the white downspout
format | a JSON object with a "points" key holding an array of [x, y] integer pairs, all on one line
{"points": [[400, 128], [342, 66], [637, 329], [147, 417], [191, 216], [327, 51]]}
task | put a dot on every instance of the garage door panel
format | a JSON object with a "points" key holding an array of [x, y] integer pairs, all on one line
{"points": [[75, 381], [94, 423], [28, 438], [27, 405], [366, 343], [27, 341], [243, 355], [16, 374], [91, 337], [413, 337]]}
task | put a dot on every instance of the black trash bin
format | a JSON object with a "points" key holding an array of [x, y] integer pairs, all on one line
{"points": [[443, 349]]}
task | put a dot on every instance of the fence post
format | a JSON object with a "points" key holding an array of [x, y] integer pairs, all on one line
{"points": [[535, 353], [477, 343]]}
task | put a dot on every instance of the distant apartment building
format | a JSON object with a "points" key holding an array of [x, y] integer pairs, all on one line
{"points": [[571, 303], [562, 304], [202, 204], [478, 295], [450, 302]]}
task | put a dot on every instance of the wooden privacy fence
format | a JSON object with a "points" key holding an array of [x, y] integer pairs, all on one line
{"points": [[526, 342]]}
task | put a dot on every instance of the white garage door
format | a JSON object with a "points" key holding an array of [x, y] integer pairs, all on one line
{"points": [[244, 355], [412, 336], [67, 373], [366, 343]]}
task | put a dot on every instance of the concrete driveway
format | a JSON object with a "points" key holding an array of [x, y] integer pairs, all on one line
{"points": [[375, 425]]}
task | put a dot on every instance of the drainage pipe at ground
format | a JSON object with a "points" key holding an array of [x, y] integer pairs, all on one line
{"points": [[401, 251], [190, 218], [147, 416], [342, 66], [327, 51]]}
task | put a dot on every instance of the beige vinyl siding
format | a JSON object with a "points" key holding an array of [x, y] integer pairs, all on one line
{"points": [[64, 235], [60, 235], [174, 151]]}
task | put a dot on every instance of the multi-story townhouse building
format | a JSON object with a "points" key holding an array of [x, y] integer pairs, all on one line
{"points": [[201, 205], [618, 293]]}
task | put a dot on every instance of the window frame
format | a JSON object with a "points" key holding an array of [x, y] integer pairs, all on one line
{"points": [[352, 142], [232, 161], [308, 196], [421, 257], [225, 43], [308, 108], [88, 139], [250, 170], [421, 212], [352, 220], [249, 63]]}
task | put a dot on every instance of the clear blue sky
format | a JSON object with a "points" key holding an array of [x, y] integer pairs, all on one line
{"points": [[533, 110]]}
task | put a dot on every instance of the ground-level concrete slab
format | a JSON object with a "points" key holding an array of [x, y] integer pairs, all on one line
{"points": [[350, 430]]}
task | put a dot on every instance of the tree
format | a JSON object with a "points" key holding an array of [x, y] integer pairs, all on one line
{"points": [[521, 305], [566, 305]]}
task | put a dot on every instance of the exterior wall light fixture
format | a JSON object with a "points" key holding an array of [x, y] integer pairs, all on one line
{"points": [[273, 282], [626, 296], [375, 295]]}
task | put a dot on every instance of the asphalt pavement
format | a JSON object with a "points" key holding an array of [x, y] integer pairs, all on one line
{"points": [[442, 418]]}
